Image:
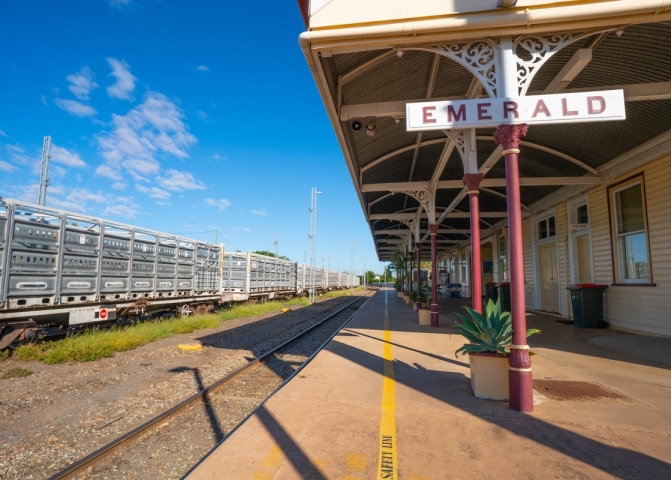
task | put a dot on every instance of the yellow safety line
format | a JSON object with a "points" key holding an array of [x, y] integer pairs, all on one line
{"points": [[388, 463]]}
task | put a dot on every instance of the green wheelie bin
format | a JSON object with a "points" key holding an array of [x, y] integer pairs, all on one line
{"points": [[587, 303], [503, 291], [491, 293]]}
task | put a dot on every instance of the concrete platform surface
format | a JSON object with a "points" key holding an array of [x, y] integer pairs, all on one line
{"points": [[395, 403]]}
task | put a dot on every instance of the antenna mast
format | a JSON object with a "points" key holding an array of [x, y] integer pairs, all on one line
{"points": [[351, 251], [276, 242], [44, 174]]}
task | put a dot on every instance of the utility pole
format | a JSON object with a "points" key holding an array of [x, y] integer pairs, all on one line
{"points": [[365, 273], [329, 266], [277, 241], [313, 242], [44, 174], [216, 236]]}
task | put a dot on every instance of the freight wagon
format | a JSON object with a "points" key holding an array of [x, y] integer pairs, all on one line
{"points": [[61, 270]]}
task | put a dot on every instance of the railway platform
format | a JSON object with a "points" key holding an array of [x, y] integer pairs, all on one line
{"points": [[386, 398]]}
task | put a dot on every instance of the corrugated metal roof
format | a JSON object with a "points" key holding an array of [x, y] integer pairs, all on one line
{"points": [[642, 54]]}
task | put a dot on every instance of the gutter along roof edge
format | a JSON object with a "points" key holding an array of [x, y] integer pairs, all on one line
{"points": [[491, 23]]}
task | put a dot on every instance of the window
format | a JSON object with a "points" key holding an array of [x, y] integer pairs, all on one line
{"points": [[547, 228], [503, 259], [630, 233], [581, 214]]}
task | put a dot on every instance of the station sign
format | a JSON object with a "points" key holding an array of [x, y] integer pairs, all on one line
{"points": [[579, 107]]}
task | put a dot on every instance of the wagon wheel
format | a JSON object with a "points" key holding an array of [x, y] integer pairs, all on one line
{"points": [[184, 311]]}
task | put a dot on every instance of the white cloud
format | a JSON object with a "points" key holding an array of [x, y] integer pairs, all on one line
{"points": [[44, 100], [175, 181], [120, 3], [108, 172], [119, 186], [125, 81], [257, 212], [2, 134], [66, 157], [6, 167], [151, 128], [81, 83], [217, 158], [222, 204], [241, 229], [153, 192], [203, 115], [120, 210], [74, 107], [203, 68]]}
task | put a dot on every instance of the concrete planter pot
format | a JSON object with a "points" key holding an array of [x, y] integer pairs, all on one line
{"points": [[425, 304], [400, 294], [424, 316], [407, 299], [489, 376]]}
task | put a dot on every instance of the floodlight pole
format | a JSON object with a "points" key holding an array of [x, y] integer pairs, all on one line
{"points": [[44, 173], [313, 242]]}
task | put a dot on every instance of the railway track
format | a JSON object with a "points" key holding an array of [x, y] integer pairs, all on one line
{"points": [[279, 354]]}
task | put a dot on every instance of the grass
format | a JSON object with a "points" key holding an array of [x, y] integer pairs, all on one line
{"points": [[97, 344], [16, 373]]}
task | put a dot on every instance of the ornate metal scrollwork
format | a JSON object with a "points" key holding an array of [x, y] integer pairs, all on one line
{"points": [[539, 49], [423, 197], [480, 57], [457, 137]]}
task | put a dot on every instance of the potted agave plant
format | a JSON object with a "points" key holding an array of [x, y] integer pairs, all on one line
{"points": [[489, 336]]}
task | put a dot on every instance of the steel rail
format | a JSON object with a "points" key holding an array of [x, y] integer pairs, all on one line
{"points": [[127, 438], [263, 402]]}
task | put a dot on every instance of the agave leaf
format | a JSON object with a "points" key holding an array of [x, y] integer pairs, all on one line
{"points": [[477, 316], [531, 331], [470, 335], [487, 338]]}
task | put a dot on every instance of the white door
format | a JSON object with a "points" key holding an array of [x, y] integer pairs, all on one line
{"points": [[584, 260], [548, 275]]}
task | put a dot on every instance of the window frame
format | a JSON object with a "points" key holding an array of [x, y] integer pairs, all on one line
{"points": [[615, 243], [545, 219]]}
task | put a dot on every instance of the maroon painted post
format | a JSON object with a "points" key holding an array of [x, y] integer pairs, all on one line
{"points": [[410, 274], [519, 370], [473, 181], [418, 249], [433, 229]]}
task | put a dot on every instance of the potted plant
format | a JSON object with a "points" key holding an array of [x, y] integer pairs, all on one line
{"points": [[424, 295], [489, 337], [413, 299]]}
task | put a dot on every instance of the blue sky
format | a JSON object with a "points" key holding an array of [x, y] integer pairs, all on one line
{"points": [[177, 116]]}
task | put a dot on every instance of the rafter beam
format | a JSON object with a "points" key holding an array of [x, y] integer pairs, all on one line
{"points": [[409, 216], [573, 67], [487, 182], [401, 231], [389, 155]]}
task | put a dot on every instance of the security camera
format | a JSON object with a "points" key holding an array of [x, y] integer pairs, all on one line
{"points": [[357, 124]]}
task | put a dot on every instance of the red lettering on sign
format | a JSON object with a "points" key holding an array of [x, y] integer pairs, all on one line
{"points": [[482, 111], [458, 115], [103, 313], [428, 114], [590, 105], [565, 110], [541, 108], [510, 107]]}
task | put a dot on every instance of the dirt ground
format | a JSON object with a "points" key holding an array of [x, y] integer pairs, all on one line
{"points": [[62, 412]]}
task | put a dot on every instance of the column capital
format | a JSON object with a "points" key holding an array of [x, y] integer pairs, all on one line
{"points": [[433, 228], [473, 181], [509, 136], [418, 246]]}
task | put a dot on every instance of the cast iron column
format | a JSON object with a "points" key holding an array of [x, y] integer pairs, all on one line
{"points": [[418, 248], [473, 181], [519, 370], [410, 273], [434, 277]]}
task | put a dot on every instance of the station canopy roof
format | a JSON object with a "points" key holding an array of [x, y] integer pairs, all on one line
{"points": [[374, 85]]}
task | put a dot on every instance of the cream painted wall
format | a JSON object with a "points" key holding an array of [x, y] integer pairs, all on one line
{"points": [[325, 13], [638, 308]]}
